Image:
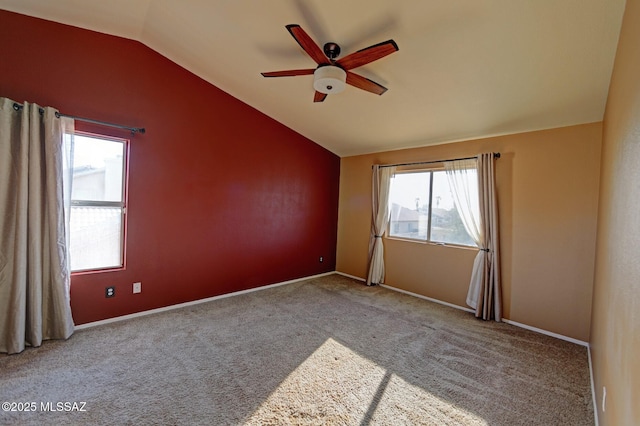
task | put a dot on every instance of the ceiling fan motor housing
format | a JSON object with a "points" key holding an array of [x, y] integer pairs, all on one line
{"points": [[332, 50], [329, 79]]}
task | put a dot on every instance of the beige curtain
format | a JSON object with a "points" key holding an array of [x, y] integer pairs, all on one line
{"points": [[462, 176], [480, 217], [34, 273], [381, 180], [487, 290]]}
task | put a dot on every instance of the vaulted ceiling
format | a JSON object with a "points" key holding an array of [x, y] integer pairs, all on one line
{"points": [[465, 69]]}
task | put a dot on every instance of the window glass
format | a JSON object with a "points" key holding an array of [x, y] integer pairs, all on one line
{"points": [[95, 237], [97, 214], [97, 169], [409, 204], [421, 207], [446, 225]]}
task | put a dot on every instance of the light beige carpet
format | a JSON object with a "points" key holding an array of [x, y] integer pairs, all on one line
{"points": [[321, 351]]}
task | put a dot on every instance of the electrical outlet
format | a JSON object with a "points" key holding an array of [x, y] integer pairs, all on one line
{"points": [[321, 259], [109, 292], [137, 288]]}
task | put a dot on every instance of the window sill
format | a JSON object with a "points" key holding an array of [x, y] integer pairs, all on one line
{"points": [[431, 243], [98, 271]]}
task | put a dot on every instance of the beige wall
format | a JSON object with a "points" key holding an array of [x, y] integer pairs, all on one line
{"points": [[547, 183], [615, 329]]}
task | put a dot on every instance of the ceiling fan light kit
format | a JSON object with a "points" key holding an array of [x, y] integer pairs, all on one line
{"points": [[329, 79], [332, 74]]}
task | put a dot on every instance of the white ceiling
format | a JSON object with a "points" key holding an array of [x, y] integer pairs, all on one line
{"points": [[466, 69]]}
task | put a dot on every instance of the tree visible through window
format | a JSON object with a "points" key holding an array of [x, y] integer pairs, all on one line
{"points": [[422, 208], [97, 203]]}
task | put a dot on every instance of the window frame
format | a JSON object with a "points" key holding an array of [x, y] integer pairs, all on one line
{"points": [[109, 204], [428, 240]]}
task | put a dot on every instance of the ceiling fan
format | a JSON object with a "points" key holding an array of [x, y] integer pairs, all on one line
{"points": [[331, 74]]}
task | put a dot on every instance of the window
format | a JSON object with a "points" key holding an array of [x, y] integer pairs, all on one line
{"points": [[97, 215], [422, 208]]}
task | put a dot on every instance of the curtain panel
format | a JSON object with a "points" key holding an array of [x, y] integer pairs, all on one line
{"points": [[489, 293], [480, 218], [381, 181], [34, 268]]}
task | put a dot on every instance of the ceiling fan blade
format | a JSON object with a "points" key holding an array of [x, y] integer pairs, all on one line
{"points": [[307, 44], [319, 96], [367, 55], [364, 83], [287, 73]]}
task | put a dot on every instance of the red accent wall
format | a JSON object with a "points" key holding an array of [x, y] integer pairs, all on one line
{"points": [[221, 197]]}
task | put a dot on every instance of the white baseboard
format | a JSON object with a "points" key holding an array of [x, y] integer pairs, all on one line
{"points": [[430, 299], [351, 276], [593, 387], [195, 302], [209, 299], [419, 296], [548, 333], [451, 305]]}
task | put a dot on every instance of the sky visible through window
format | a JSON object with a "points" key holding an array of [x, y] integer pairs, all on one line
{"points": [[416, 185], [91, 152]]}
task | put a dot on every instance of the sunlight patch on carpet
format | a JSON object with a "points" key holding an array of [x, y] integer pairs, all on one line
{"points": [[336, 385]]}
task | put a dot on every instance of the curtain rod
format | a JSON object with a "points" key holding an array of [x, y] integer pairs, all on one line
{"points": [[495, 155], [18, 107]]}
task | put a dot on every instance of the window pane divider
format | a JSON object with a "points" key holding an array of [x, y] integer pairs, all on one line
{"points": [[87, 203], [430, 206]]}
